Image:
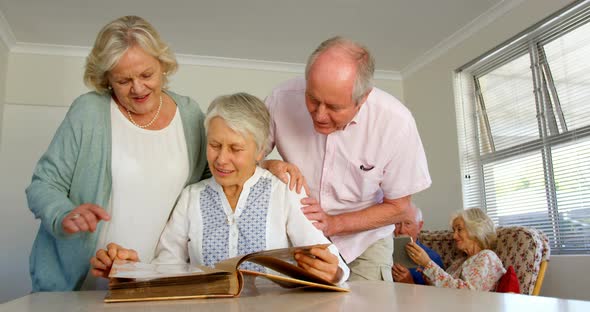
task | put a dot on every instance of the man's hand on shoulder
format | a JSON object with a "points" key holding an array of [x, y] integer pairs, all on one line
{"points": [[286, 172]]}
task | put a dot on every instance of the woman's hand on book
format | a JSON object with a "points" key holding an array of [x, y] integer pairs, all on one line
{"points": [[321, 262], [103, 261]]}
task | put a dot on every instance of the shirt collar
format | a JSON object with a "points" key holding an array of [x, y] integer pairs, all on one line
{"points": [[249, 183], [358, 117]]}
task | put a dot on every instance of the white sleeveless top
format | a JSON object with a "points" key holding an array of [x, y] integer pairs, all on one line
{"points": [[149, 170]]}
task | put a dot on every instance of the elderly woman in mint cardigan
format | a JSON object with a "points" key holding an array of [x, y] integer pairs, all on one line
{"points": [[122, 154]]}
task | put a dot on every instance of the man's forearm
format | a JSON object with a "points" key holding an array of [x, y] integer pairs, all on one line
{"points": [[389, 212]]}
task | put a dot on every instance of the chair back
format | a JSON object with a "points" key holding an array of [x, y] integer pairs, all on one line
{"points": [[524, 248]]}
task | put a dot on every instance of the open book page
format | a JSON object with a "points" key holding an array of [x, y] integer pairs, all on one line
{"points": [[281, 261], [288, 282], [276, 259], [136, 281], [140, 271]]}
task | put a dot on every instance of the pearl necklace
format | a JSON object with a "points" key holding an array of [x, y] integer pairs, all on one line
{"points": [[151, 121]]}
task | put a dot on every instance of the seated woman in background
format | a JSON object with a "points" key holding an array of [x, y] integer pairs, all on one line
{"points": [[242, 209], [475, 235]]}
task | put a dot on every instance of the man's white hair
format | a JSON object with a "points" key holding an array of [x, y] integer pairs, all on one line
{"points": [[418, 212]]}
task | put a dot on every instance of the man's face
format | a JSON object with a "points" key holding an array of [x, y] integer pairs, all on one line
{"points": [[328, 93], [409, 227], [329, 112]]}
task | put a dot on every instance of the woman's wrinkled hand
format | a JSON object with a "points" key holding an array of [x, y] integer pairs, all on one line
{"points": [[417, 254], [288, 173], [103, 261], [84, 218], [321, 262]]}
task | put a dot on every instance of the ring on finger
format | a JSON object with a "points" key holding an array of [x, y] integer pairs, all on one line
{"points": [[75, 216]]}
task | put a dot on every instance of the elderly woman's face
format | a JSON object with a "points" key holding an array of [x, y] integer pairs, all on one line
{"points": [[137, 81], [461, 236], [231, 157]]}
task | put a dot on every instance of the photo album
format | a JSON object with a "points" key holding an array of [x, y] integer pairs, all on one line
{"points": [[137, 281]]}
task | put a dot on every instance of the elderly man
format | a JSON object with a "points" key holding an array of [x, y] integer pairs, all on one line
{"points": [[411, 225], [358, 148]]}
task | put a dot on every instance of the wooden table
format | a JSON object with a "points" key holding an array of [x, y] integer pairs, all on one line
{"points": [[364, 297]]}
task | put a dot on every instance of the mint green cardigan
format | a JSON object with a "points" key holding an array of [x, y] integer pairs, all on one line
{"points": [[76, 169]]}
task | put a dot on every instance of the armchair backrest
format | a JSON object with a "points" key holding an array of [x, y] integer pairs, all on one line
{"points": [[524, 248]]}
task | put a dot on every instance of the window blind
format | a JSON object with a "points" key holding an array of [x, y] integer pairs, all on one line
{"points": [[523, 118], [466, 129]]}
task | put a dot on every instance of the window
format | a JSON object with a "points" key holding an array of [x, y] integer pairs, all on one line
{"points": [[523, 117]]}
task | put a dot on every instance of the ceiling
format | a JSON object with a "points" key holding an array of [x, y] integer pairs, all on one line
{"points": [[398, 32]]}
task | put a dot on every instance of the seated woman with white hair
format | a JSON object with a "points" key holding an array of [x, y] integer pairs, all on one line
{"points": [[242, 209], [475, 235]]}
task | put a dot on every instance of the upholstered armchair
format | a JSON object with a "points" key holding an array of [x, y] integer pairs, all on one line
{"points": [[524, 248]]}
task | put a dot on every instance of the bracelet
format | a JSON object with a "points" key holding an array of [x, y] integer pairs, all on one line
{"points": [[429, 265]]}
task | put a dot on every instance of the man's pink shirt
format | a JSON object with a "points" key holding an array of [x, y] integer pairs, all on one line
{"points": [[378, 154]]}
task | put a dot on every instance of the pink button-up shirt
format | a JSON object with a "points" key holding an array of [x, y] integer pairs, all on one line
{"points": [[378, 154]]}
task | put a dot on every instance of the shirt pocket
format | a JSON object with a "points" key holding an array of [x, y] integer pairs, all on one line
{"points": [[362, 181]]}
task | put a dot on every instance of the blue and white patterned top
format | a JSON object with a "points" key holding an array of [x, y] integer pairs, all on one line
{"points": [[203, 229]]}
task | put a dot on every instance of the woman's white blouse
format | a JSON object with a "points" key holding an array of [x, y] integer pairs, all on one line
{"points": [[204, 230], [149, 169]]}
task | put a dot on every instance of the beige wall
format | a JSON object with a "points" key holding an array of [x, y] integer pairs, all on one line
{"points": [[39, 90], [3, 61], [5, 237], [429, 94]]}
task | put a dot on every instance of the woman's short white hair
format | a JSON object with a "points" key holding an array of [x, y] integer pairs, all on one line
{"points": [[479, 227], [245, 114]]}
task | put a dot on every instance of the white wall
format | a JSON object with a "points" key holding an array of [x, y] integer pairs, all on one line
{"points": [[5, 241], [39, 90], [429, 94], [3, 61]]}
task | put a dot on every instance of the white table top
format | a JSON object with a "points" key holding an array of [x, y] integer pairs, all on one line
{"points": [[364, 297]]}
